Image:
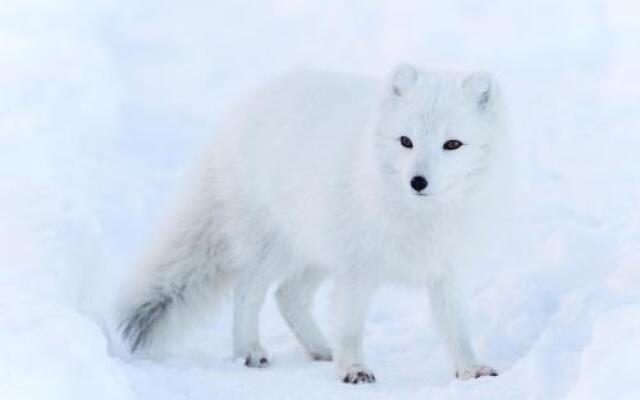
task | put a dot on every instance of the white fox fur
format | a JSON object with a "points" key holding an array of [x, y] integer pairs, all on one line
{"points": [[310, 180]]}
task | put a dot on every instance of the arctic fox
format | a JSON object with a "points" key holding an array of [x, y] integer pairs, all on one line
{"points": [[365, 181]]}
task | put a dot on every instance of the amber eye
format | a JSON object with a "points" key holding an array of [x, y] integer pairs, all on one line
{"points": [[406, 142], [451, 144]]}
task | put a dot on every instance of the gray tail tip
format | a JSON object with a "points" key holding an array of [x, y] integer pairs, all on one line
{"points": [[133, 331], [138, 324]]}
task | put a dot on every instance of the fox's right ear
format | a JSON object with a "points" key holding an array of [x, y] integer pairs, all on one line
{"points": [[481, 87], [403, 77]]}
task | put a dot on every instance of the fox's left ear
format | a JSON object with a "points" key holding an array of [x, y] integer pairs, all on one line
{"points": [[403, 77], [481, 87]]}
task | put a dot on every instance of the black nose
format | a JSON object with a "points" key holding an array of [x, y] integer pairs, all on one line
{"points": [[418, 183]]}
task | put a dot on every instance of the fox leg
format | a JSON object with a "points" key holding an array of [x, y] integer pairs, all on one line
{"points": [[352, 297], [449, 314], [295, 299], [249, 296]]}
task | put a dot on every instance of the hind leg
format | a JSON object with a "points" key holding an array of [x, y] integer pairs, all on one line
{"points": [[249, 296], [295, 298]]}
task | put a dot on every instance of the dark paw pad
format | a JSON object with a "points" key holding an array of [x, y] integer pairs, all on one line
{"points": [[359, 377], [321, 357], [261, 362], [476, 372]]}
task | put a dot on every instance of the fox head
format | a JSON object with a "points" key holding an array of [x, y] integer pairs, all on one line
{"points": [[437, 133]]}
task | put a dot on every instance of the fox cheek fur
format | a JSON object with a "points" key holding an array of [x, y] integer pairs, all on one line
{"points": [[323, 175]]}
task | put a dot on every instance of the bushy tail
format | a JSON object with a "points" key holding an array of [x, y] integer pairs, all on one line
{"points": [[140, 319], [167, 299], [175, 282]]}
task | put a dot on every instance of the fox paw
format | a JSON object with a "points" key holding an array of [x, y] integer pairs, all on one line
{"points": [[475, 371], [321, 355], [256, 358], [358, 374]]}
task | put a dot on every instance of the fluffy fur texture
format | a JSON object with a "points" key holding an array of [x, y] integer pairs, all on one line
{"points": [[310, 180]]}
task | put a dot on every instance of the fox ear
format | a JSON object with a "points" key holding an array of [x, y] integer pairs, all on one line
{"points": [[481, 87], [402, 78]]}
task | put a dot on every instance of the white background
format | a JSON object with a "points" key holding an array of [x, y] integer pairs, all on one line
{"points": [[104, 103]]}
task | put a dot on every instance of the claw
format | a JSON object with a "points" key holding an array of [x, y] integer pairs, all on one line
{"points": [[475, 372], [263, 362], [359, 375]]}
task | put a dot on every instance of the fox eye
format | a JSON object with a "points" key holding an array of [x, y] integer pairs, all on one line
{"points": [[406, 142], [452, 144]]}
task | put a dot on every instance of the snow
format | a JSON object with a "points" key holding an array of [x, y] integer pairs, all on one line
{"points": [[104, 103]]}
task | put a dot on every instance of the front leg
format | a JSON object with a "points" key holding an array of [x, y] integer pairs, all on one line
{"points": [[351, 301], [449, 313]]}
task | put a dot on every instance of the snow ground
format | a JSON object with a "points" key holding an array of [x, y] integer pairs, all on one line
{"points": [[103, 103]]}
